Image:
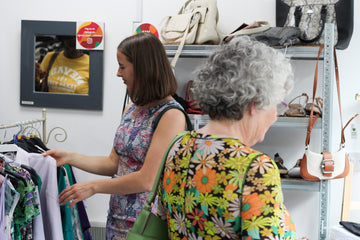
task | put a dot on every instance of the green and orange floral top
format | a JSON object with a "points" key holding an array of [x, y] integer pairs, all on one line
{"points": [[215, 187]]}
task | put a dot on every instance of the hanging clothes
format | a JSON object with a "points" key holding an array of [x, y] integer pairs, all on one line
{"points": [[34, 211], [47, 170], [3, 235]]}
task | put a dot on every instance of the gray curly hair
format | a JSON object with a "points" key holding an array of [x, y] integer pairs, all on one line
{"points": [[239, 73]]}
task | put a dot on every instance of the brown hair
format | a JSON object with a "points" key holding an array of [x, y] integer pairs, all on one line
{"points": [[153, 75]]}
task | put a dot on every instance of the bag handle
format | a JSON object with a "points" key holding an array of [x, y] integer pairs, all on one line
{"points": [[182, 9], [312, 120], [189, 125], [151, 197], [256, 27], [182, 43], [298, 14], [44, 85]]}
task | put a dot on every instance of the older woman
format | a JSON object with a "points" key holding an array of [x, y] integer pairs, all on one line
{"points": [[215, 186]]}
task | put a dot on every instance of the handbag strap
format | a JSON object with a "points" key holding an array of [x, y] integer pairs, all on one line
{"points": [[189, 125], [182, 9], [256, 27], [298, 14], [44, 86], [151, 197], [182, 43], [312, 119]]}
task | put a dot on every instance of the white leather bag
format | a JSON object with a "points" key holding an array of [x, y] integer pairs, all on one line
{"points": [[325, 165], [207, 32], [196, 22], [180, 27]]}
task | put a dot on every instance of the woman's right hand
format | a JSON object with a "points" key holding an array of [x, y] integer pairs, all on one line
{"points": [[62, 157]]}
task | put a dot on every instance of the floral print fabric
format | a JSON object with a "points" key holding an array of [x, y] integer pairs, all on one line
{"points": [[215, 187]]}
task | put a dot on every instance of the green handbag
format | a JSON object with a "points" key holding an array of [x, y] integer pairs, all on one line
{"points": [[148, 225]]}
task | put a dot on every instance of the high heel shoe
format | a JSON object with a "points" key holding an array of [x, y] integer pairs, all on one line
{"points": [[294, 172], [280, 164]]}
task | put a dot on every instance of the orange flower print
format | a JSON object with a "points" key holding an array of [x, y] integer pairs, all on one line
{"points": [[251, 206], [289, 221], [204, 180], [197, 220], [169, 181]]}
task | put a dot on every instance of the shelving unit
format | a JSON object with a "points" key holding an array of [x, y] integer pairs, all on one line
{"points": [[325, 125]]}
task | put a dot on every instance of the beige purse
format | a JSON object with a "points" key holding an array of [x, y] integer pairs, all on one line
{"points": [[181, 27], [197, 19], [207, 32], [195, 23]]}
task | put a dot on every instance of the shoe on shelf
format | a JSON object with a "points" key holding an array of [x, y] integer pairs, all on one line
{"points": [[280, 164], [317, 106], [193, 106], [294, 172], [297, 109]]}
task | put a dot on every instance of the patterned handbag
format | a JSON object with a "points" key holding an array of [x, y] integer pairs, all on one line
{"points": [[311, 15]]}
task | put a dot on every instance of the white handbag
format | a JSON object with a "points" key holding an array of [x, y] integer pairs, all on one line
{"points": [[195, 23], [325, 165], [207, 32], [180, 27]]}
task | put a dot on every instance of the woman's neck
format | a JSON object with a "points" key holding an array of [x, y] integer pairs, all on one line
{"points": [[230, 128]]}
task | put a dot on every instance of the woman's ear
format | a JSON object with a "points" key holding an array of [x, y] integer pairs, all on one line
{"points": [[251, 108]]}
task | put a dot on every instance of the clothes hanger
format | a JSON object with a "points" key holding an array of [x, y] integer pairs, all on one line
{"points": [[8, 148]]}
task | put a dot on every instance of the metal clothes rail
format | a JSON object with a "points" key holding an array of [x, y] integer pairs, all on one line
{"points": [[28, 124]]}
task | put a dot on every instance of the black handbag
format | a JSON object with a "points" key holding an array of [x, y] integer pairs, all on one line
{"points": [[311, 15]]}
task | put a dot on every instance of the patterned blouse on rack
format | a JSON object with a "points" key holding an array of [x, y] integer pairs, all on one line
{"points": [[216, 187]]}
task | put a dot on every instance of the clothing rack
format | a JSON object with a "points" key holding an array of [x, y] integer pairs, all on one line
{"points": [[24, 125]]}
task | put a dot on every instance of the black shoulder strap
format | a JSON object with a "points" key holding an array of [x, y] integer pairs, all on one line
{"points": [[189, 125], [44, 85]]}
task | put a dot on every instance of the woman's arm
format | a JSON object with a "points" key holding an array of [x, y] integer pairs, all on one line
{"points": [[101, 165], [171, 123]]}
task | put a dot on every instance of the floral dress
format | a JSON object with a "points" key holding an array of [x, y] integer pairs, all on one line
{"points": [[218, 188], [132, 140]]}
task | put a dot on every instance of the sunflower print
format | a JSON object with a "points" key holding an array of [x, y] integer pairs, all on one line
{"points": [[216, 187]]}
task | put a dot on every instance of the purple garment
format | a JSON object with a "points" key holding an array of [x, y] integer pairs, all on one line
{"points": [[3, 235]]}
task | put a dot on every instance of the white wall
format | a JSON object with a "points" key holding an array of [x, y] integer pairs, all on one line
{"points": [[91, 132]]}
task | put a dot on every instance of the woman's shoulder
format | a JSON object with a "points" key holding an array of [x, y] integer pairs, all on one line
{"points": [[164, 107]]}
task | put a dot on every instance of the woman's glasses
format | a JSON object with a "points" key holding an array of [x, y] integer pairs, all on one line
{"points": [[280, 108]]}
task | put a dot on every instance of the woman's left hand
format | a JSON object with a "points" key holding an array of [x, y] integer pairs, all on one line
{"points": [[76, 193]]}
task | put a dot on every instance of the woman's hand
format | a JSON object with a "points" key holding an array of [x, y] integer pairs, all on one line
{"points": [[62, 157], [76, 193]]}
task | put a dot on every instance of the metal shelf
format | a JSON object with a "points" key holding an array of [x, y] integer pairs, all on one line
{"points": [[202, 51], [199, 120], [300, 185]]}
